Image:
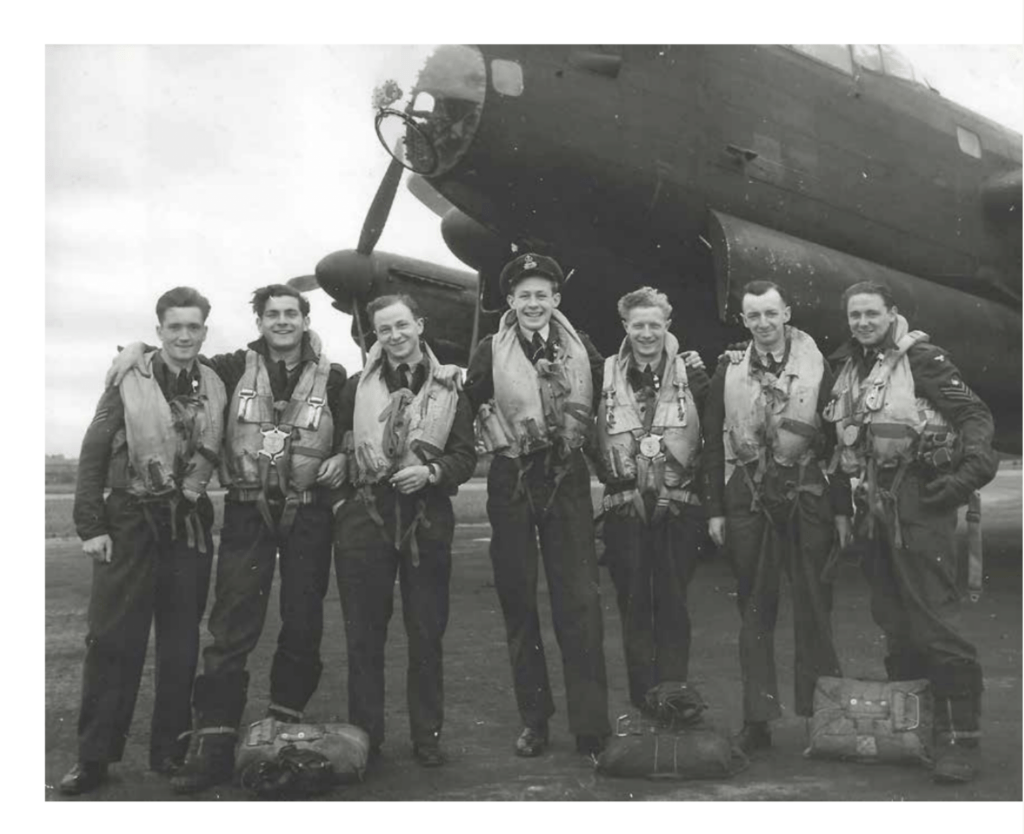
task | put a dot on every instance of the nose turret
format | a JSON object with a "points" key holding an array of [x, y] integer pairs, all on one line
{"points": [[429, 127]]}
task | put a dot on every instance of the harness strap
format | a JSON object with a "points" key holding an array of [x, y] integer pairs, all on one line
{"points": [[262, 504], [418, 520]]}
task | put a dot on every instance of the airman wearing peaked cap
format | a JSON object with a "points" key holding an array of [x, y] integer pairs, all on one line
{"points": [[530, 265]]}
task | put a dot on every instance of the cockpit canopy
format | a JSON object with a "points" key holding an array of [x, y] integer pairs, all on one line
{"points": [[880, 58]]}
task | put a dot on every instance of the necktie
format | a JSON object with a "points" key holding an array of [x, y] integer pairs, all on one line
{"points": [[538, 347], [647, 377], [403, 376], [183, 384]]}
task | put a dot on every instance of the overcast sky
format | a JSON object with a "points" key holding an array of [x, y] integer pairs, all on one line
{"points": [[227, 168]]}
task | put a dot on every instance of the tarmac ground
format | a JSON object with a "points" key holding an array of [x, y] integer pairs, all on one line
{"points": [[481, 721]]}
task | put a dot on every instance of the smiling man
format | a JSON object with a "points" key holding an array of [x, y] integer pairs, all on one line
{"points": [[769, 503], [648, 431], [154, 443], [279, 465], [409, 441], [920, 441], [532, 387]]}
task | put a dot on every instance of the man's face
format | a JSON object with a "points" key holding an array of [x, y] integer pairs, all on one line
{"points": [[765, 316], [181, 333], [398, 331], [282, 323], [869, 319], [534, 300], [647, 328]]}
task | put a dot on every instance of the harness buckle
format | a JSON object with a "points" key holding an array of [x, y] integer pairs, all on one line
{"points": [[650, 446], [245, 395], [274, 443]]}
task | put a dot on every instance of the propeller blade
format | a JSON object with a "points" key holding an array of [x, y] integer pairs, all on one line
{"points": [[304, 283], [380, 208], [422, 190], [357, 321]]}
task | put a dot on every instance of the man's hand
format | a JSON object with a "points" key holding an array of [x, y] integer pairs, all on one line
{"points": [[99, 548], [734, 352], [411, 479], [843, 530], [692, 359], [449, 375], [947, 492], [716, 529], [332, 472], [131, 357]]}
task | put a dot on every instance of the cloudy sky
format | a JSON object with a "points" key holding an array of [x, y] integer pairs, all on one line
{"points": [[227, 168]]}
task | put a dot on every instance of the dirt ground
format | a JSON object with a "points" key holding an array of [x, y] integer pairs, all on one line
{"points": [[481, 721]]}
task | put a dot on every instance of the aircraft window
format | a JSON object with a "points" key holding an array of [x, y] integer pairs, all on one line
{"points": [[833, 54], [969, 142], [867, 56], [507, 77], [896, 65]]}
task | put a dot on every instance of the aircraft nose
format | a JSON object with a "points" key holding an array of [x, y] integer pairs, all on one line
{"points": [[429, 127]]}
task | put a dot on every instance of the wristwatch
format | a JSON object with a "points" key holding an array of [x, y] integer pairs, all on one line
{"points": [[433, 475]]}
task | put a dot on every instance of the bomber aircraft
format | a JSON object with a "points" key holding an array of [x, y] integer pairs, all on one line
{"points": [[695, 169]]}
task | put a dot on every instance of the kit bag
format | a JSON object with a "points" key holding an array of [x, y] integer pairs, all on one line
{"points": [[279, 760], [871, 721], [646, 748]]}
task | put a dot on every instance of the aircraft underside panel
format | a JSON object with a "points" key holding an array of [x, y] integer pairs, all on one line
{"points": [[983, 337]]}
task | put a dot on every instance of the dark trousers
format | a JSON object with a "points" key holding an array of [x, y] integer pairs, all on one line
{"points": [[914, 594], [651, 566], [245, 572], [566, 533], [791, 533], [149, 577], [366, 569]]}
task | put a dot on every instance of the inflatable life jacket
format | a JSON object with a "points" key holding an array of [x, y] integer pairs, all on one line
{"points": [[395, 430], [535, 406], [880, 419], [172, 447], [278, 444], [664, 456], [769, 417]]}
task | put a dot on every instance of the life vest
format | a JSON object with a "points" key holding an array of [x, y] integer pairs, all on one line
{"points": [[270, 444], [172, 447], [535, 406], [881, 418], [770, 417], [665, 455], [395, 430]]}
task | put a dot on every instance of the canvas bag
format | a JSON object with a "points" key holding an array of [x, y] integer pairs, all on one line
{"points": [[871, 721]]}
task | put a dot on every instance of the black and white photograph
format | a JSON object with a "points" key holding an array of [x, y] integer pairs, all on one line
{"points": [[554, 421]]}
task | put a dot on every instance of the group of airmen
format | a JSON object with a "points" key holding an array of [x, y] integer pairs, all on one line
{"points": [[759, 458]]}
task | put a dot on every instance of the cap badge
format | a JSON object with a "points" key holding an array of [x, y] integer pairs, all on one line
{"points": [[529, 262]]}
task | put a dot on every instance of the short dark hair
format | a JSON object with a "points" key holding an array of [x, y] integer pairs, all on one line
{"points": [[762, 287], [382, 301], [263, 294], [181, 297], [869, 288]]}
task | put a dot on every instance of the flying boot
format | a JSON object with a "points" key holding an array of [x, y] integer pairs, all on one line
{"points": [[219, 702]]}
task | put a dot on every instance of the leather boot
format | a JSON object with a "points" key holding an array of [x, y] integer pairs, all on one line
{"points": [[210, 761], [219, 701]]}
